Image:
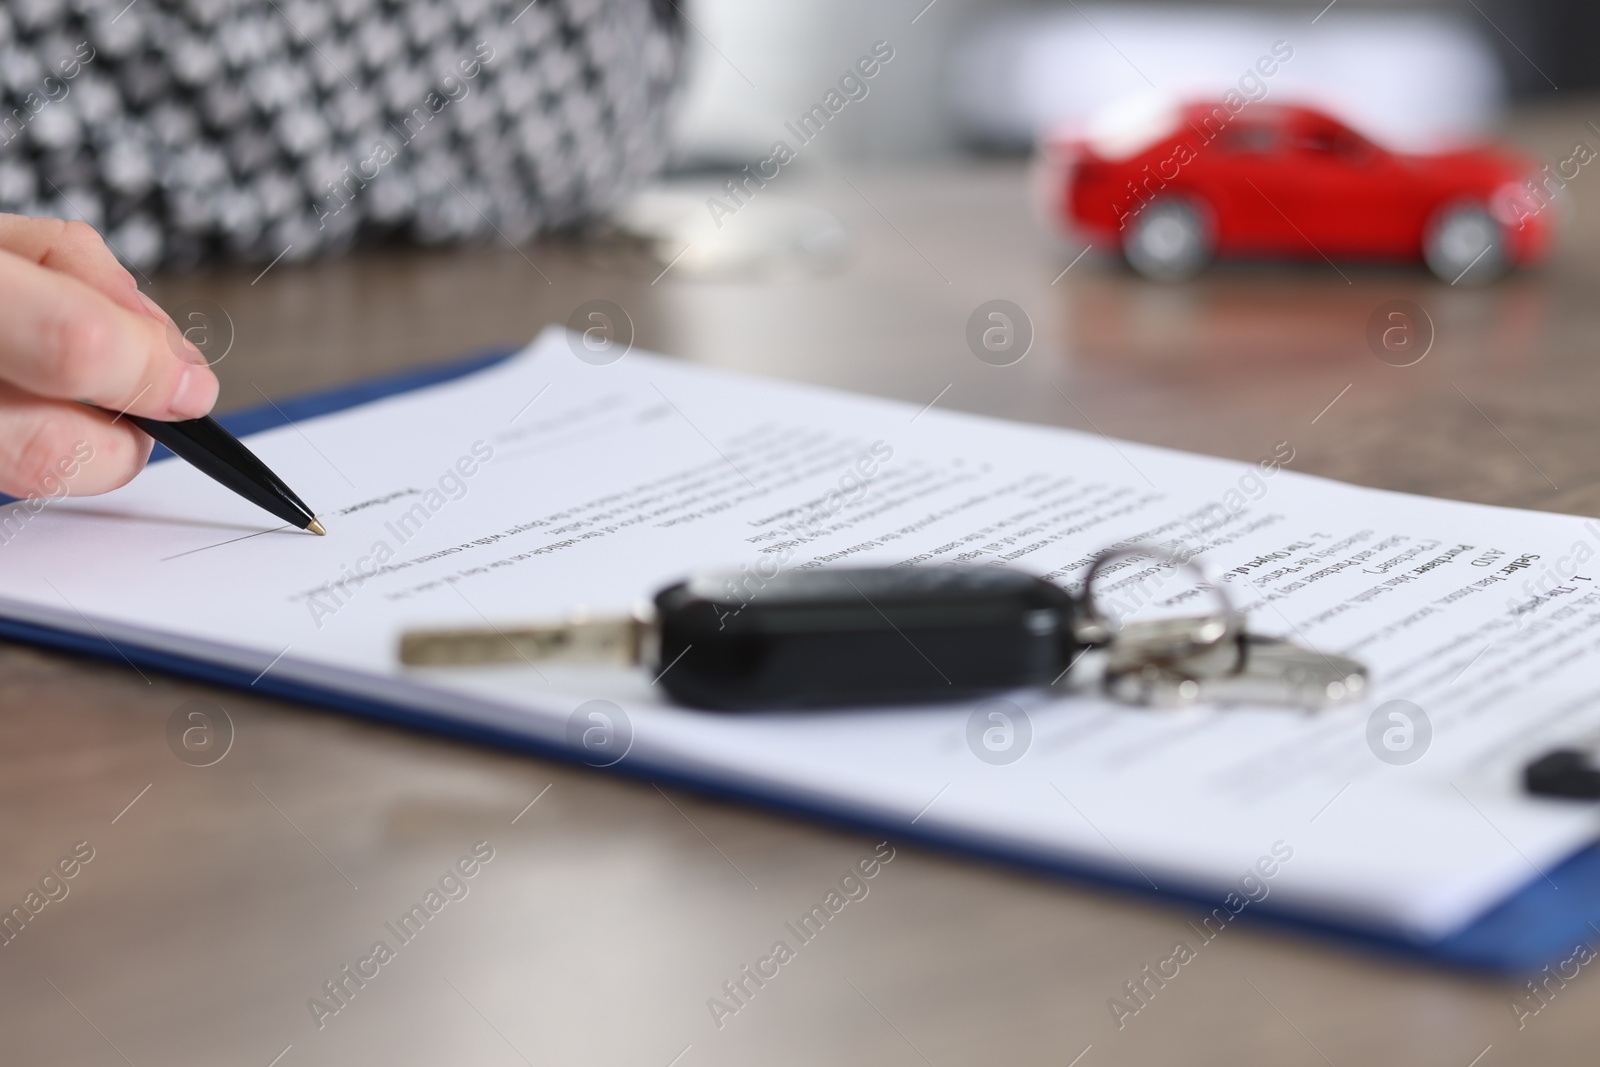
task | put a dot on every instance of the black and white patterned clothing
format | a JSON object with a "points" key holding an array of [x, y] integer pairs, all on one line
{"points": [[186, 129]]}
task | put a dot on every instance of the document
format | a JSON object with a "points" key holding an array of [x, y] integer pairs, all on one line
{"points": [[546, 484]]}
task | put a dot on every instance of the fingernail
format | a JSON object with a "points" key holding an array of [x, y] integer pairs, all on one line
{"points": [[184, 348], [154, 309], [195, 395], [181, 346]]}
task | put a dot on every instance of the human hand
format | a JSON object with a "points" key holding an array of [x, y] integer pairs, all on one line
{"points": [[75, 327]]}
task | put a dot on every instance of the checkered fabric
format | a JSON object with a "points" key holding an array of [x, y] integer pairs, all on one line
{"points": [[189, 129]]}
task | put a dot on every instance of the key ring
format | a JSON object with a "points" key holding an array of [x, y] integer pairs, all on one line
{"points": [[1095, 629]]}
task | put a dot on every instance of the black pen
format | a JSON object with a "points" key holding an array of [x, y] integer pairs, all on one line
{"points": [[216, 452]]}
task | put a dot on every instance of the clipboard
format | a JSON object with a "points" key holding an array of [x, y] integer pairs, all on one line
{"points": [[1547, 921]]}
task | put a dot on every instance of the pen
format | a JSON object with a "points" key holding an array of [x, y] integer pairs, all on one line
{"points": [[216, 452]]}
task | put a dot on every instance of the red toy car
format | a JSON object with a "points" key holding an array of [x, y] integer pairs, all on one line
{"points": [[1177, 186]]}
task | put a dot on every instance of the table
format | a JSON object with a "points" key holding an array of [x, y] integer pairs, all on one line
{"points": [[220, 899]]}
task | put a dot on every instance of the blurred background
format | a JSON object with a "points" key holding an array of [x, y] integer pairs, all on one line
{"points": [[988, 74], [986, 80], [198, 129], [591, 159], [554, 153]]}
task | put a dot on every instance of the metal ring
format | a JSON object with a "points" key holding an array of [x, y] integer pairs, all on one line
{"points": [[1095, 629]]}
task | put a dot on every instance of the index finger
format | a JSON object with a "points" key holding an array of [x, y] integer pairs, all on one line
{"points": [[75, 249], [59, 338]]}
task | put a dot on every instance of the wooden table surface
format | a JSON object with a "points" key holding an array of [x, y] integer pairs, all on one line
{"points": [[220, 902]]}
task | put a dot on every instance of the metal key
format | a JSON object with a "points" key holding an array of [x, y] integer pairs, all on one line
{"points": [[1248, 669], [1176, 662]]}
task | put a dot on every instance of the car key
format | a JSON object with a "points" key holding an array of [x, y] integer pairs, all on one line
{"points": [[842, 637], [812, 638]]}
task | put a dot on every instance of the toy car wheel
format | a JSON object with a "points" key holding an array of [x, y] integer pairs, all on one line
{"points": [[1168, 241], [1464, 242]]}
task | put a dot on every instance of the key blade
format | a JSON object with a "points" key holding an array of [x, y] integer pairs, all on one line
{"points": [[1256, 670], [1281, 672], [611, 640]]}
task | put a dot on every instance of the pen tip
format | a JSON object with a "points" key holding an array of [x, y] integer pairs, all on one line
{"points": [[316, 527]]}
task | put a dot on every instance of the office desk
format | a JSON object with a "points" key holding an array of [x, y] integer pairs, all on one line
{"points": [[220, 899]]}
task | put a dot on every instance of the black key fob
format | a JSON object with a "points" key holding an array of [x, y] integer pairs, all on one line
{"points": [[841, 637]]}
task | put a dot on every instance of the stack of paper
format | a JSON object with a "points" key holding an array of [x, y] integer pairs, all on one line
{"points": [[547, 483]]}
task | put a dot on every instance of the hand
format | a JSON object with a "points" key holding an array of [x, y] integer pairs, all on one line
{"points": [[75, 327]]}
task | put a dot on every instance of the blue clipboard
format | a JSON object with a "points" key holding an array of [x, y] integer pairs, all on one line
{"points": [[1541, 924]]}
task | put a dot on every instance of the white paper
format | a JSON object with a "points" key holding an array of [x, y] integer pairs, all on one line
{"points": [[606, 483]]}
